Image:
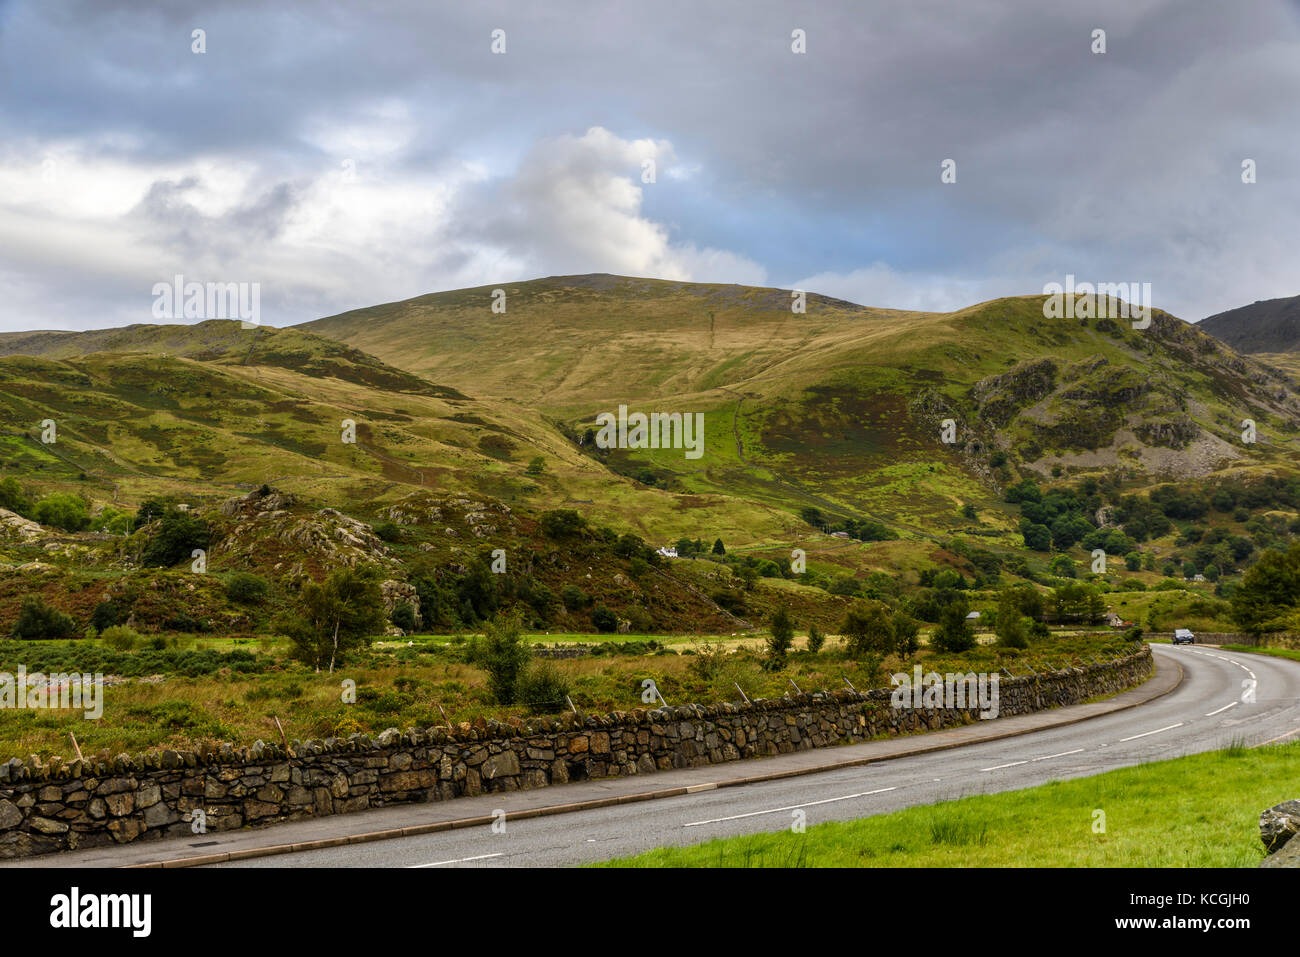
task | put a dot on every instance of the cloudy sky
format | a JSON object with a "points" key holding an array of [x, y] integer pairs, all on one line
{"points": [[342, 155]]}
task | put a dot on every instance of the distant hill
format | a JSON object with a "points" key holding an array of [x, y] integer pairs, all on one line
{"points": [[1267, 326]]}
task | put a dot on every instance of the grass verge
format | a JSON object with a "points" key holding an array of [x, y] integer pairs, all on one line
{"points": [[1197, 811]]}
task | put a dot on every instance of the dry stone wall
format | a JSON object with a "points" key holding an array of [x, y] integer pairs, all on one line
{"points": [[58, 806]]}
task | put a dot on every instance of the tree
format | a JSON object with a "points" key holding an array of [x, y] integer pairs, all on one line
{"points": [[718, 548], [904, 630], [1010, 628], [603, 619], [336, 617], [503, 655], [13, 497], [954, 633], [1062, 566], [780, 640], [1133, 561], [1037, 537], [61, 510], [176, 537], [815, 639], [867, 627], [536, 467], [1269, 591]]}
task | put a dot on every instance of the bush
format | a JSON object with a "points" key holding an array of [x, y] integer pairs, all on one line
{"points": [[604, 620], [105, 615], [37, 620], [120, 638], [388, 531], [574, 598], [403, 616], [542, 688], [62, 510], [246, 588]]}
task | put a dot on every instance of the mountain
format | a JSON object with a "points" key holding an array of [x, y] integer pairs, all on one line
{"points": [[1266, 326], [840, 408], [464, 426]]}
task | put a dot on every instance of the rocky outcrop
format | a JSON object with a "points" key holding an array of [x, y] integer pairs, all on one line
{"points": [[18, 530], [1278, 826]]}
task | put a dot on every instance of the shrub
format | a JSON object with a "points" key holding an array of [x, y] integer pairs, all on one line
{"points": [[562, 523], [105, 615], [388, 531], [62, 510], [574, 598], [37, 620], [542, 688], [604, 620], [403, 616], [246, 588], [121, 638]]}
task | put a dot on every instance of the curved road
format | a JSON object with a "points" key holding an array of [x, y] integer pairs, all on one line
{"points": [[1205, 712]]}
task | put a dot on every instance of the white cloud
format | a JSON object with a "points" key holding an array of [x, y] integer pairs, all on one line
{"points": [[325, 238]]}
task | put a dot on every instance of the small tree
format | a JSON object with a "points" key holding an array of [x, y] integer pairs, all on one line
{"points": [[905, 630], [1010, 627], [867, 628], [954, 633], [815, 639], [501, 652], [336, 617], [13, 497], [780, 640], [177, 535], [718, 548], [603, 619]]}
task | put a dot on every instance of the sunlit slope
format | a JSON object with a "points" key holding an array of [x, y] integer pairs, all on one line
{"points": [[841, 407]]}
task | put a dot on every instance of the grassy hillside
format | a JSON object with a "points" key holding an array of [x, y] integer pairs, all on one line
{"points": [[841, 408]]}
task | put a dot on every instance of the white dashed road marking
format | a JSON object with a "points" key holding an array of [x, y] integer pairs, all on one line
{"points": [[792, 807], [1134, 737]]}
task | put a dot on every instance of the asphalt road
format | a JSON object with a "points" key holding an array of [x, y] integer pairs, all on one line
{"points": [[1205, 712]]}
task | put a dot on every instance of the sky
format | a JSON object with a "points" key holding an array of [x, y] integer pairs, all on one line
{"points": [[341, 155]]}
